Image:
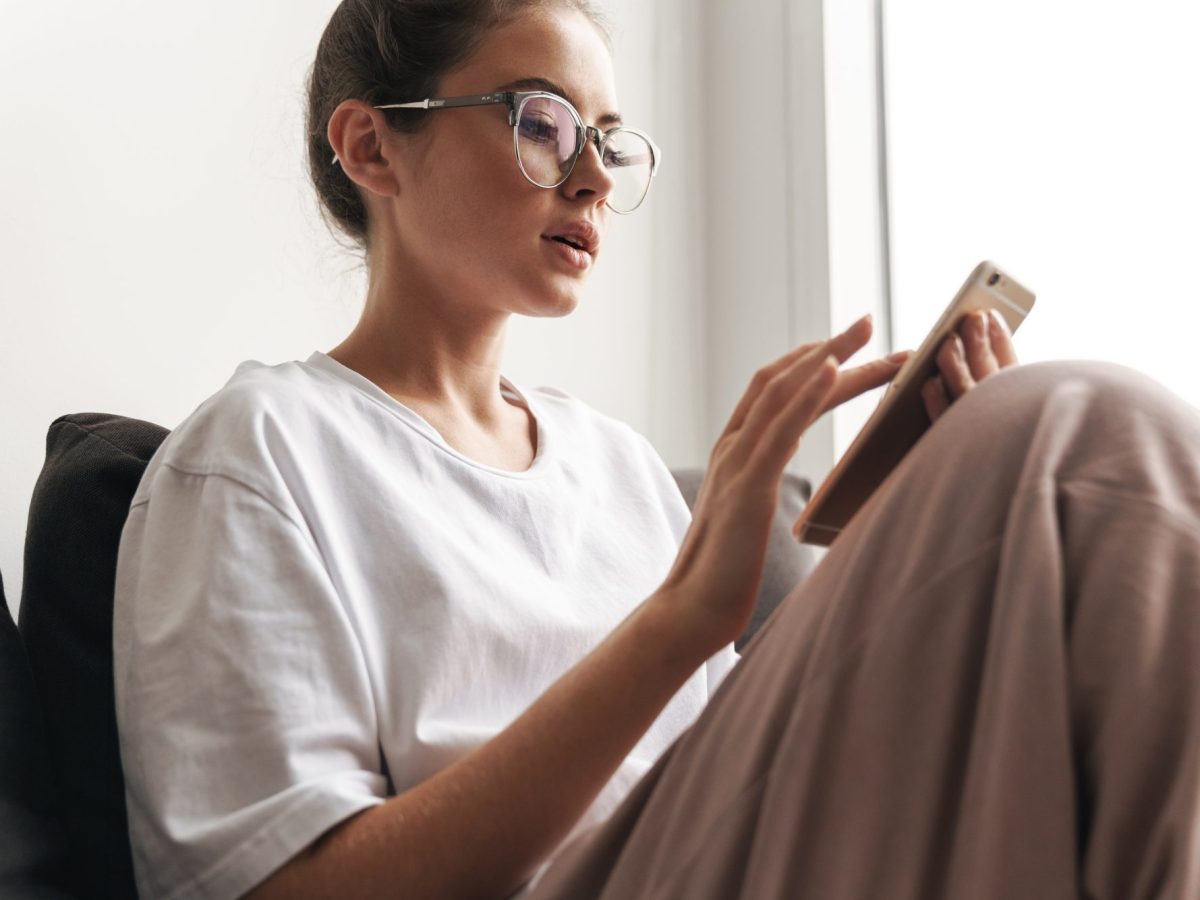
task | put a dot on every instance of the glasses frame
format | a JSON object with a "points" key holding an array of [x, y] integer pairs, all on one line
{"points": [[515, 101]]}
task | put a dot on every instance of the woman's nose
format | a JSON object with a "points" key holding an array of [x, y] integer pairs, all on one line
{"points": [[590, 171]]}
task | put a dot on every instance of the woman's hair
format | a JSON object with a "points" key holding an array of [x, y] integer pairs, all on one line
{"points": [[391, 51]]}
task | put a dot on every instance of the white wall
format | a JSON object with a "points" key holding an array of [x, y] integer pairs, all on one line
{"points": [[156, 226], [767, 259]]}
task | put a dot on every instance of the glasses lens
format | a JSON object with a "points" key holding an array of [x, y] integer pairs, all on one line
{"points": [[546, 137], [546, 148], [629, 159]]}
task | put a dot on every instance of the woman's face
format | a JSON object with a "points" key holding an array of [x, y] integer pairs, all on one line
{"points": [[466, 215]]}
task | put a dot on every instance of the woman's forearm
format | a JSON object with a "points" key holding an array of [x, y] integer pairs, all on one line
{"points": [[481, 826]]}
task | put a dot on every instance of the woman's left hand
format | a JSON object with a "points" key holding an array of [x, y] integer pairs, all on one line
{"points": [[982, 346]]}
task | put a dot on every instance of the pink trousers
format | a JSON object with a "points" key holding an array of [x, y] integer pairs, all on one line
{"points": [[989, 688]]}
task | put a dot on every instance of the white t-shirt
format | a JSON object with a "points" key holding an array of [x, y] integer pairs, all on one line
{"points": [[320, 603]]}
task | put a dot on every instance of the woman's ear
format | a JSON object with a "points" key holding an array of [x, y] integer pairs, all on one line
{"points": [[356, 133]]}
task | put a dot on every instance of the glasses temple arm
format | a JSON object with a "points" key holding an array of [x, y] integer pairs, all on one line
{"points": [[416, 104]]}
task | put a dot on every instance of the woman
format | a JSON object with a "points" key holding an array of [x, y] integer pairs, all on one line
{"points": [[383, 628]]}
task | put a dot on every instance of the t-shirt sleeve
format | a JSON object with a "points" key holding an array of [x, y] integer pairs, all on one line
{"points": [[245, 714]]}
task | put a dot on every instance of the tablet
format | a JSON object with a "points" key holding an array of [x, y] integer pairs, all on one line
{"points": [[900, 419]]}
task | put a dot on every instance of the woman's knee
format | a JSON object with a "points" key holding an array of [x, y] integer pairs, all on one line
{"points": [[1112, 389], [1068, 418]]}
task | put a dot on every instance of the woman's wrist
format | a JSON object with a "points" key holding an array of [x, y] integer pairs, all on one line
{"points": [[686, 639]]}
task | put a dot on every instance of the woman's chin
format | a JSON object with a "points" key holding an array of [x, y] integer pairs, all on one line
{"points": [[558, 299]]}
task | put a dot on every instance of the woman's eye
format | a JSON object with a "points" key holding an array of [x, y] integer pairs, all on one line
{"points": [[539, 129], [614, 159]]}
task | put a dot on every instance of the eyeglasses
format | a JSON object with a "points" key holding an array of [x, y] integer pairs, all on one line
{"points": [[549, 137]]}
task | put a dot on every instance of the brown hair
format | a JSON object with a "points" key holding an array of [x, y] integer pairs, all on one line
{"points": [[381, 51]]}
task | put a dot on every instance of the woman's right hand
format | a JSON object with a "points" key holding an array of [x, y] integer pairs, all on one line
{"points": [[714, 583]]}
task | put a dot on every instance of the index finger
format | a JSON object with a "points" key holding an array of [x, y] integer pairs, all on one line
{"points": [[845, 345], [853, 382], [840, 346]]}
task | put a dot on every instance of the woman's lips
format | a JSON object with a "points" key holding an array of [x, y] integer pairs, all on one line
{"points": [[578, 259]]}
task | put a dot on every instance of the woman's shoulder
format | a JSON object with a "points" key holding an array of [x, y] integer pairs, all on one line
{"points": [[262, 416]]}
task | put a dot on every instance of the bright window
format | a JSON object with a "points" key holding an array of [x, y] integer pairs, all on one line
{"points": [[1062, 141]]}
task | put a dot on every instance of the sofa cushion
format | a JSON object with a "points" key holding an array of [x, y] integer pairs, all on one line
{"points": [[32, 843], [788, 562], [94, 462]]}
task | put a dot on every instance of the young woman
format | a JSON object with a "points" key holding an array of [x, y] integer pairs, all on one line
{"points": [[388, 624]]}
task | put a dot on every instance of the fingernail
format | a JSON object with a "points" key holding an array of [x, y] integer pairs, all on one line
{"points": [[899, 356]]}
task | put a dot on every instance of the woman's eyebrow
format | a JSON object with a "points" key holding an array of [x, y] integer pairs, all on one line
{"points": [[545, 84]]}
